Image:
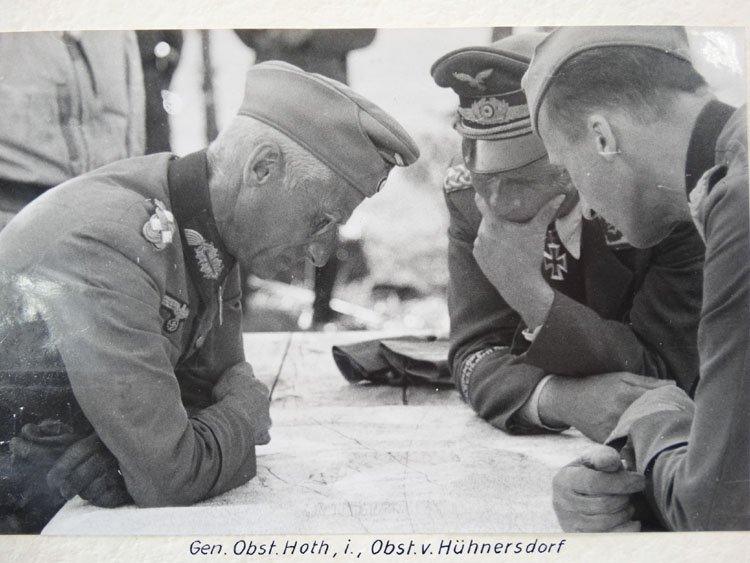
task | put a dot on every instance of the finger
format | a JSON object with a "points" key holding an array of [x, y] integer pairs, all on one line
{"points": [[72, 458], [604, 522], [483, 234], [49, 433], [601, 458], [113, 498], [547, 212], [603, 504], [107, 490], [47, 427], [482, 206], [592, 482], [23, 449], [94, 489], [630, 526], [83, 475], [574, 521]]}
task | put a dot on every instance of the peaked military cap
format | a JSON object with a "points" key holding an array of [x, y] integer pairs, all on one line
{"points": [[565, 43], [355, 138], [492, 111]]}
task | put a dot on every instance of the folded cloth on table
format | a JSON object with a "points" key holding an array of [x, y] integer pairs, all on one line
{"points": [[418, 360]]}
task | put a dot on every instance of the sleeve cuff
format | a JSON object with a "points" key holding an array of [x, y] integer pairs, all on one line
{"points": [[470, 364], [530, 334], [530, 409]]}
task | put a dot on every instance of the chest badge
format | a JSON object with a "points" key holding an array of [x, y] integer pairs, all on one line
{"points": [[209, 261], [175, 311], [160, 227], [555, 258]]}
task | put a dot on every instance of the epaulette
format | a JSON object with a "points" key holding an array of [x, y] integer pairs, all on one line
{"points": [[457, 178]]}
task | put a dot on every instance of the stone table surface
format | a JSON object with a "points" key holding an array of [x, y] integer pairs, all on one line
{"points": [[360, 459]]}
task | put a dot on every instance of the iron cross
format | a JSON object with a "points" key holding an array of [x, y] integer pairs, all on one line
{"points": [[555, 261]]}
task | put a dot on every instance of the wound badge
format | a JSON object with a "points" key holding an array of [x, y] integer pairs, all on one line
{"points": [[209, 261], [176, 311], [160, 227]]}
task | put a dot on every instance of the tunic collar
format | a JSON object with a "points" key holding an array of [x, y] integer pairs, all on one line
{"points": [[207, 258], [569, 230], [701, 150]]}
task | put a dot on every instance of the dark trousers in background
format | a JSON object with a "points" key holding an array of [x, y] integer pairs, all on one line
{"points": [[325, 279], [14, 196]]}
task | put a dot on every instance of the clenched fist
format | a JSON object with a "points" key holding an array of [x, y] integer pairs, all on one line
{"points": [[251, 395], [592, 493]]}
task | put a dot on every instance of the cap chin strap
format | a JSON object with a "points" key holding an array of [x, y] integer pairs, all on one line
{"points": [[501, 155]]}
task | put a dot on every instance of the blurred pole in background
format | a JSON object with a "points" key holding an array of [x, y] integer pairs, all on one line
{"points": [[160, 54], [208, 86]]}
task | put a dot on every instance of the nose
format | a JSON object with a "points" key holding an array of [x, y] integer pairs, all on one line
{"points": [[320, 250]]}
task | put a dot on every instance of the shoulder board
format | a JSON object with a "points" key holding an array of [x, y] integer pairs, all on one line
{"points": [[457, 178]]}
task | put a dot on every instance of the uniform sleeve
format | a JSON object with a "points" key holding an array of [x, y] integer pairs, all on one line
{"points": [[705, 484], [657, 337], [106, 323], [493, 381], [136, 131]]}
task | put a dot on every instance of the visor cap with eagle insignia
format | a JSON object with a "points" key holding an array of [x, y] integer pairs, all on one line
{"points": [[492, 109], [356, 139]]}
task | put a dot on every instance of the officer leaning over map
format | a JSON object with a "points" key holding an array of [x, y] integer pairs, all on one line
{"points": [[127, 281], [549, 308], [627, 104]]}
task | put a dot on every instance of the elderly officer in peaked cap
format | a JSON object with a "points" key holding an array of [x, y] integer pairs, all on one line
{"points": [[549, 309], [625, 111], [127, 277]]}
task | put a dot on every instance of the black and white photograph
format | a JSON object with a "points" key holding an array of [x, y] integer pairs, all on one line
{"points": [[295, 281]]}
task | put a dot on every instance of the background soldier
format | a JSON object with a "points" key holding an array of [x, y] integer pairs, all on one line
{"points": [[70, 102]]}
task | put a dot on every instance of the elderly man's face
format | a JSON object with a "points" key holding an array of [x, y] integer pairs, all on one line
{"points": [[616, 176], [518, 195], [293, 220]]}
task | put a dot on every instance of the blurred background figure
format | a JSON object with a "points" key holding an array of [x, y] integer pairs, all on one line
{"points": [[160, 54], [70, 102], [323, 51]]}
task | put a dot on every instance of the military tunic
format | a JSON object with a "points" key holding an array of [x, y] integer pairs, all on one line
{"points": [[637, 311], [145, 326], [698, 467]]}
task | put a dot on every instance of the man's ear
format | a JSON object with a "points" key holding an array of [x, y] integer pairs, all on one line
{"points": [[602, 136], [264, 165]]}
